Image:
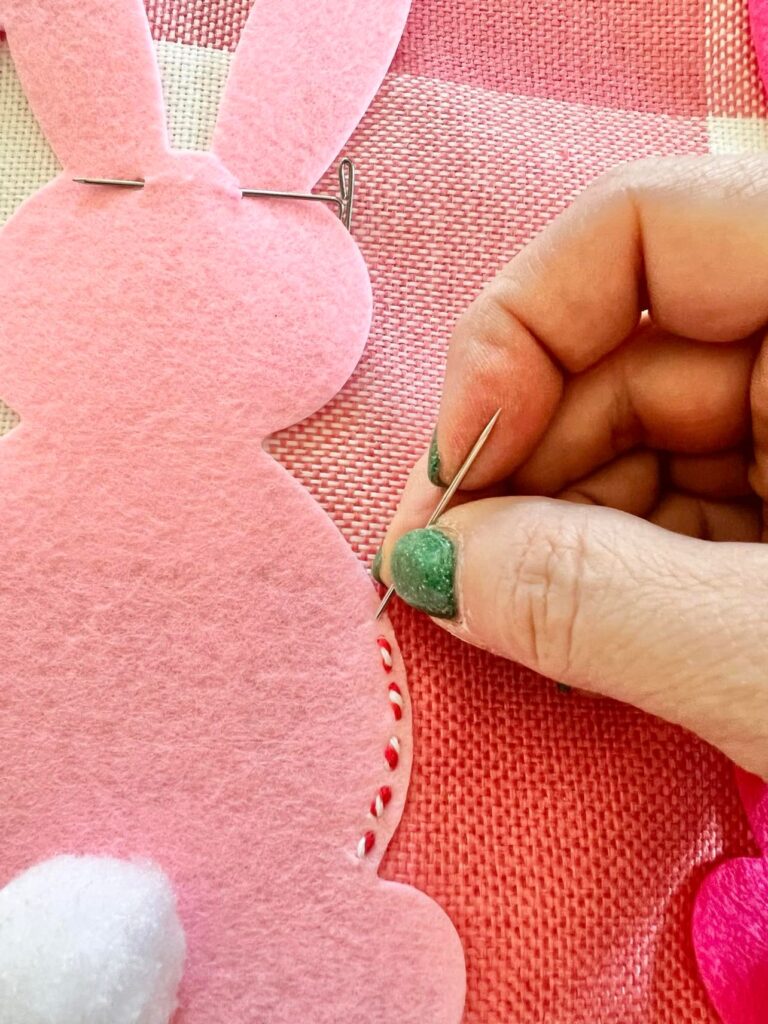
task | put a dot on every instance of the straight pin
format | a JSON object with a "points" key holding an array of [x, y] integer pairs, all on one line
{"points": [[454, 485], [116, 182], [344, 201]]}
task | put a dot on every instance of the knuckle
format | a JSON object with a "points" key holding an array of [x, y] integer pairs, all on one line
{"points": [[545, 596], [727, 176], [628, 177], [483, 340], [487, 320]]}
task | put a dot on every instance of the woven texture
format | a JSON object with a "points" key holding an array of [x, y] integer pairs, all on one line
{"points": [[565, 837]]}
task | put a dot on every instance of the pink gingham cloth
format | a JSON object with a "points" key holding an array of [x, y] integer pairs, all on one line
{"points": [[565, 837]]}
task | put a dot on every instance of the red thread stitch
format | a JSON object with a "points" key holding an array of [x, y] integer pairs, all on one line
{"points": [[392, 753], [366, 844], [385, 649], [380, 801], [396, 700]]}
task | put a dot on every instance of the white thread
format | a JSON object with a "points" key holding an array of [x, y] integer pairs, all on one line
{"points": [[395, 744], [361, 848], [378, 806], [386, 657], [396, 698]]}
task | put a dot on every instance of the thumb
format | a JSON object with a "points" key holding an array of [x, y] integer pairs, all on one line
{"points": [[606, 602]]}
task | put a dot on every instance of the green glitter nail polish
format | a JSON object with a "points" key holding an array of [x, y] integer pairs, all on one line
{"points": [[564, 688], [423, 568], [433, 463], [376, 566]]}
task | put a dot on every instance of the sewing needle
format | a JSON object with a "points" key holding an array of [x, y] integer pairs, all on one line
{"points": [[454, 485]]}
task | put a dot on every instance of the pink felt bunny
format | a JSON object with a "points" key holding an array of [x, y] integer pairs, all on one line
{"points": [[190, 670]]}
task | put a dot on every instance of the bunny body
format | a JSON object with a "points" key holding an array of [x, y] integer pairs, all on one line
{"points": [[190, 670]]}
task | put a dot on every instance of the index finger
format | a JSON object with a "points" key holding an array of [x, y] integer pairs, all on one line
{"points": [[685, 238]]}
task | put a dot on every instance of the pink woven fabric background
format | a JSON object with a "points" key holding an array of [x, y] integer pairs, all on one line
{"points": [[565, 837]]}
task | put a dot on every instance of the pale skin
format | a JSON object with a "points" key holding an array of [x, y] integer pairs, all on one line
{"points": [[612, 534]]}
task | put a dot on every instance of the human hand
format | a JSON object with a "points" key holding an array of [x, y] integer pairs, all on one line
{"points": [[626, 425]]}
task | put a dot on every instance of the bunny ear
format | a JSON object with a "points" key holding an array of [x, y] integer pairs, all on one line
{"points": [[88, 69], [303, 75]]}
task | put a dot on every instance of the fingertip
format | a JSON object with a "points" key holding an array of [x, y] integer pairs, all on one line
{"points": [[417, 503], [433, 462], [423, 571], [494, 362], [376, 566]]}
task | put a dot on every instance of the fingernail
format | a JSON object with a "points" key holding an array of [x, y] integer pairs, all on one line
{"points": [[433, 463], [423, 569], [376, 566]]}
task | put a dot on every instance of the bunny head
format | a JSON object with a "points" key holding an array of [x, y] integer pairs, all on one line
{"points": [[185, 289]]}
